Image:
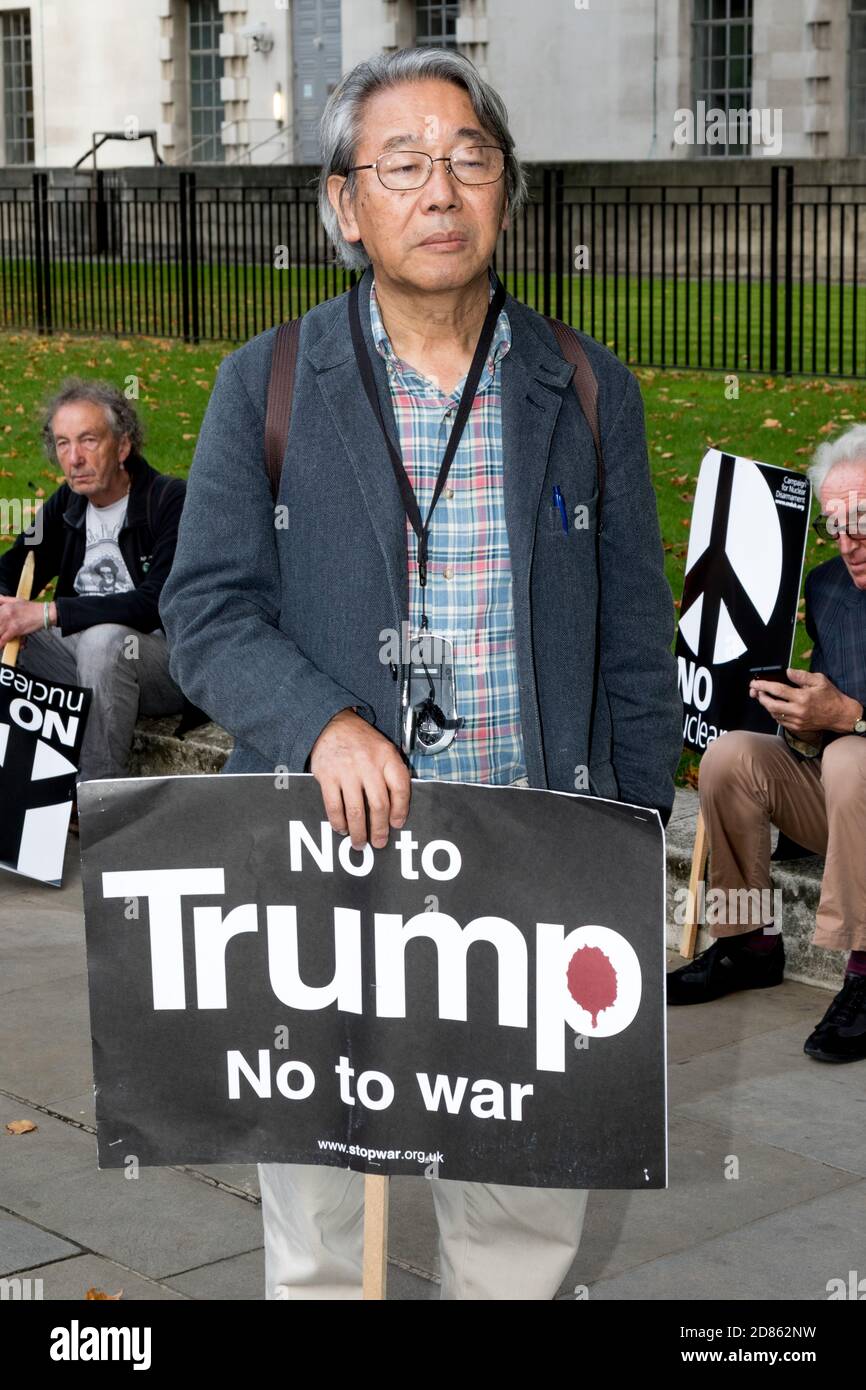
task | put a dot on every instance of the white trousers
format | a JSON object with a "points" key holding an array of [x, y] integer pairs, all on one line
{"points": [[495, 1242]]}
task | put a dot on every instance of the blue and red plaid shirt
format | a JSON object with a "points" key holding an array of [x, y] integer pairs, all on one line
{"points": [[468, 593]]}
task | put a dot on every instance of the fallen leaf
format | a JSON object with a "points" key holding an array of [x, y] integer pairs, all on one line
{"points": [[830, 425], [98, 1293], [771, 424], [21, 1126]]}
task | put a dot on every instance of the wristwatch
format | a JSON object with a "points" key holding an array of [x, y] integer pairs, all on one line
{"points": [[860, 724]]}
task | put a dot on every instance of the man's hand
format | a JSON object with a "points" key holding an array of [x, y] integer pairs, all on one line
{"points": [[809, 707], [351, 760], [18, 616]]}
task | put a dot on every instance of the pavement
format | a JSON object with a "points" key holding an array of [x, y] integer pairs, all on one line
{"points": [[767, 1194]]}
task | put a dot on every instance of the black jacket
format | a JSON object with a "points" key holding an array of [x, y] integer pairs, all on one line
{"points": [[147, 543]]}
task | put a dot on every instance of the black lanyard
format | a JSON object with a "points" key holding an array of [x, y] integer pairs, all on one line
{"points": [[365, 366]]}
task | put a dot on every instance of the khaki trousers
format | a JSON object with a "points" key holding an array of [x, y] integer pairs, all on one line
{"points": [[747, 782], [495, 1242]]}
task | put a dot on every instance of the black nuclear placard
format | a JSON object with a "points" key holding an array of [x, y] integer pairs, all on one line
{"points": [[42, 726], [742, 583]]}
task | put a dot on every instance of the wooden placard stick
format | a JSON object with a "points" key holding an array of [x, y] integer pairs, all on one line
{"points": [[696, 877], [375, 1235], [25, 585]]}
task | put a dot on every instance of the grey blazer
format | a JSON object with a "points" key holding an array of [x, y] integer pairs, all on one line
{"points": [[274, 617]]}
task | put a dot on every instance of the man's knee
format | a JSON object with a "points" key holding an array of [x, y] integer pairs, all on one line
{"points": [[843, 766], [725, 757], [104, 644]]}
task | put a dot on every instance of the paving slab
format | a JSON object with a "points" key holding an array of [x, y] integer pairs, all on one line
{"points": [[773, 1093], [71, 1279], [240, 1278], [697, 1028], [626, 1229], [240, 1177], [23, 1244], [792, 1254], [159, 1223], [45, 1038]]}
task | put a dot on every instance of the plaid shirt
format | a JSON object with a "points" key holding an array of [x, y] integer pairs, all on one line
{"points": [[468, 594]]}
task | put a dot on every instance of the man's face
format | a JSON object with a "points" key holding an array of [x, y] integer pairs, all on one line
{"points": [[843, 498], [87, 449], [438, 237]]}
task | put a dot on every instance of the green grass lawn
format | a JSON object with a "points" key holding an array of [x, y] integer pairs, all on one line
{"points": [[774, 420]]}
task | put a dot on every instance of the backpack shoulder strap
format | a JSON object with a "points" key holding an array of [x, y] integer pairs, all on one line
{"points": [[585, 384], [281, 386]]}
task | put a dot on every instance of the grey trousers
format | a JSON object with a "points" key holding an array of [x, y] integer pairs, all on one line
{"points": [[495, 1242], [128, 674]]}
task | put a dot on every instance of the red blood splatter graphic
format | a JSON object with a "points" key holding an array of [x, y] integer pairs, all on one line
{"points": [[591, 980]]}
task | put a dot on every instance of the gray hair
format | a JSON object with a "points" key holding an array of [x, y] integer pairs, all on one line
{"points": [[119, 412], [341, 123], [850, 447]]}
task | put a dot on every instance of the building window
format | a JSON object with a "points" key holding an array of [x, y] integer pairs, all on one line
{"points": [[436, 24], [206, 110], [722, 57], [857, 79], [17, 87]]}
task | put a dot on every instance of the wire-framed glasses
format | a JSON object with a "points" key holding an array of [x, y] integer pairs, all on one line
{"points": [[406, 169]]}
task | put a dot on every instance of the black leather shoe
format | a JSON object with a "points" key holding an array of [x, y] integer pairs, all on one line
{"points": [[841, 1034], [724, 967]]}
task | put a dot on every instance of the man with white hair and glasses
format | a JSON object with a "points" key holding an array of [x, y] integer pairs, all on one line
{"points": [[810, 781], [441, 472]]}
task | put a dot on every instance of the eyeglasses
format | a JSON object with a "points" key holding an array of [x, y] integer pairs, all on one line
{"points": [[406, 169], [830, 530]]}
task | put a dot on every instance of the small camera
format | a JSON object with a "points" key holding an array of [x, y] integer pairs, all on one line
{"points": [[430, 719]]}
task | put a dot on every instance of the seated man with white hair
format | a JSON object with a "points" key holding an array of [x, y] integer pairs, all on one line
{"points": [[810, 781], [108, 536]]}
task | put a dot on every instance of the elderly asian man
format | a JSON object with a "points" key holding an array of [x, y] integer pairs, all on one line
{"points": [[810, 781], [276, 631]]}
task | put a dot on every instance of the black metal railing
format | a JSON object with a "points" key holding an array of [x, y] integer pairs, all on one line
{"points": [[762, 277]]}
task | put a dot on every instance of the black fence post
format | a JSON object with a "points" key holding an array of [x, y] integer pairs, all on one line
{"points": [[789, 270], [562, 257], [101, 214], [193, 259], [774, 268], [42, 252], [546, 217], [188, 258]]}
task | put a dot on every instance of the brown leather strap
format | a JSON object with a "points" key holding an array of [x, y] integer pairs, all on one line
{"points": [[586, 386], [281, 386]]}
